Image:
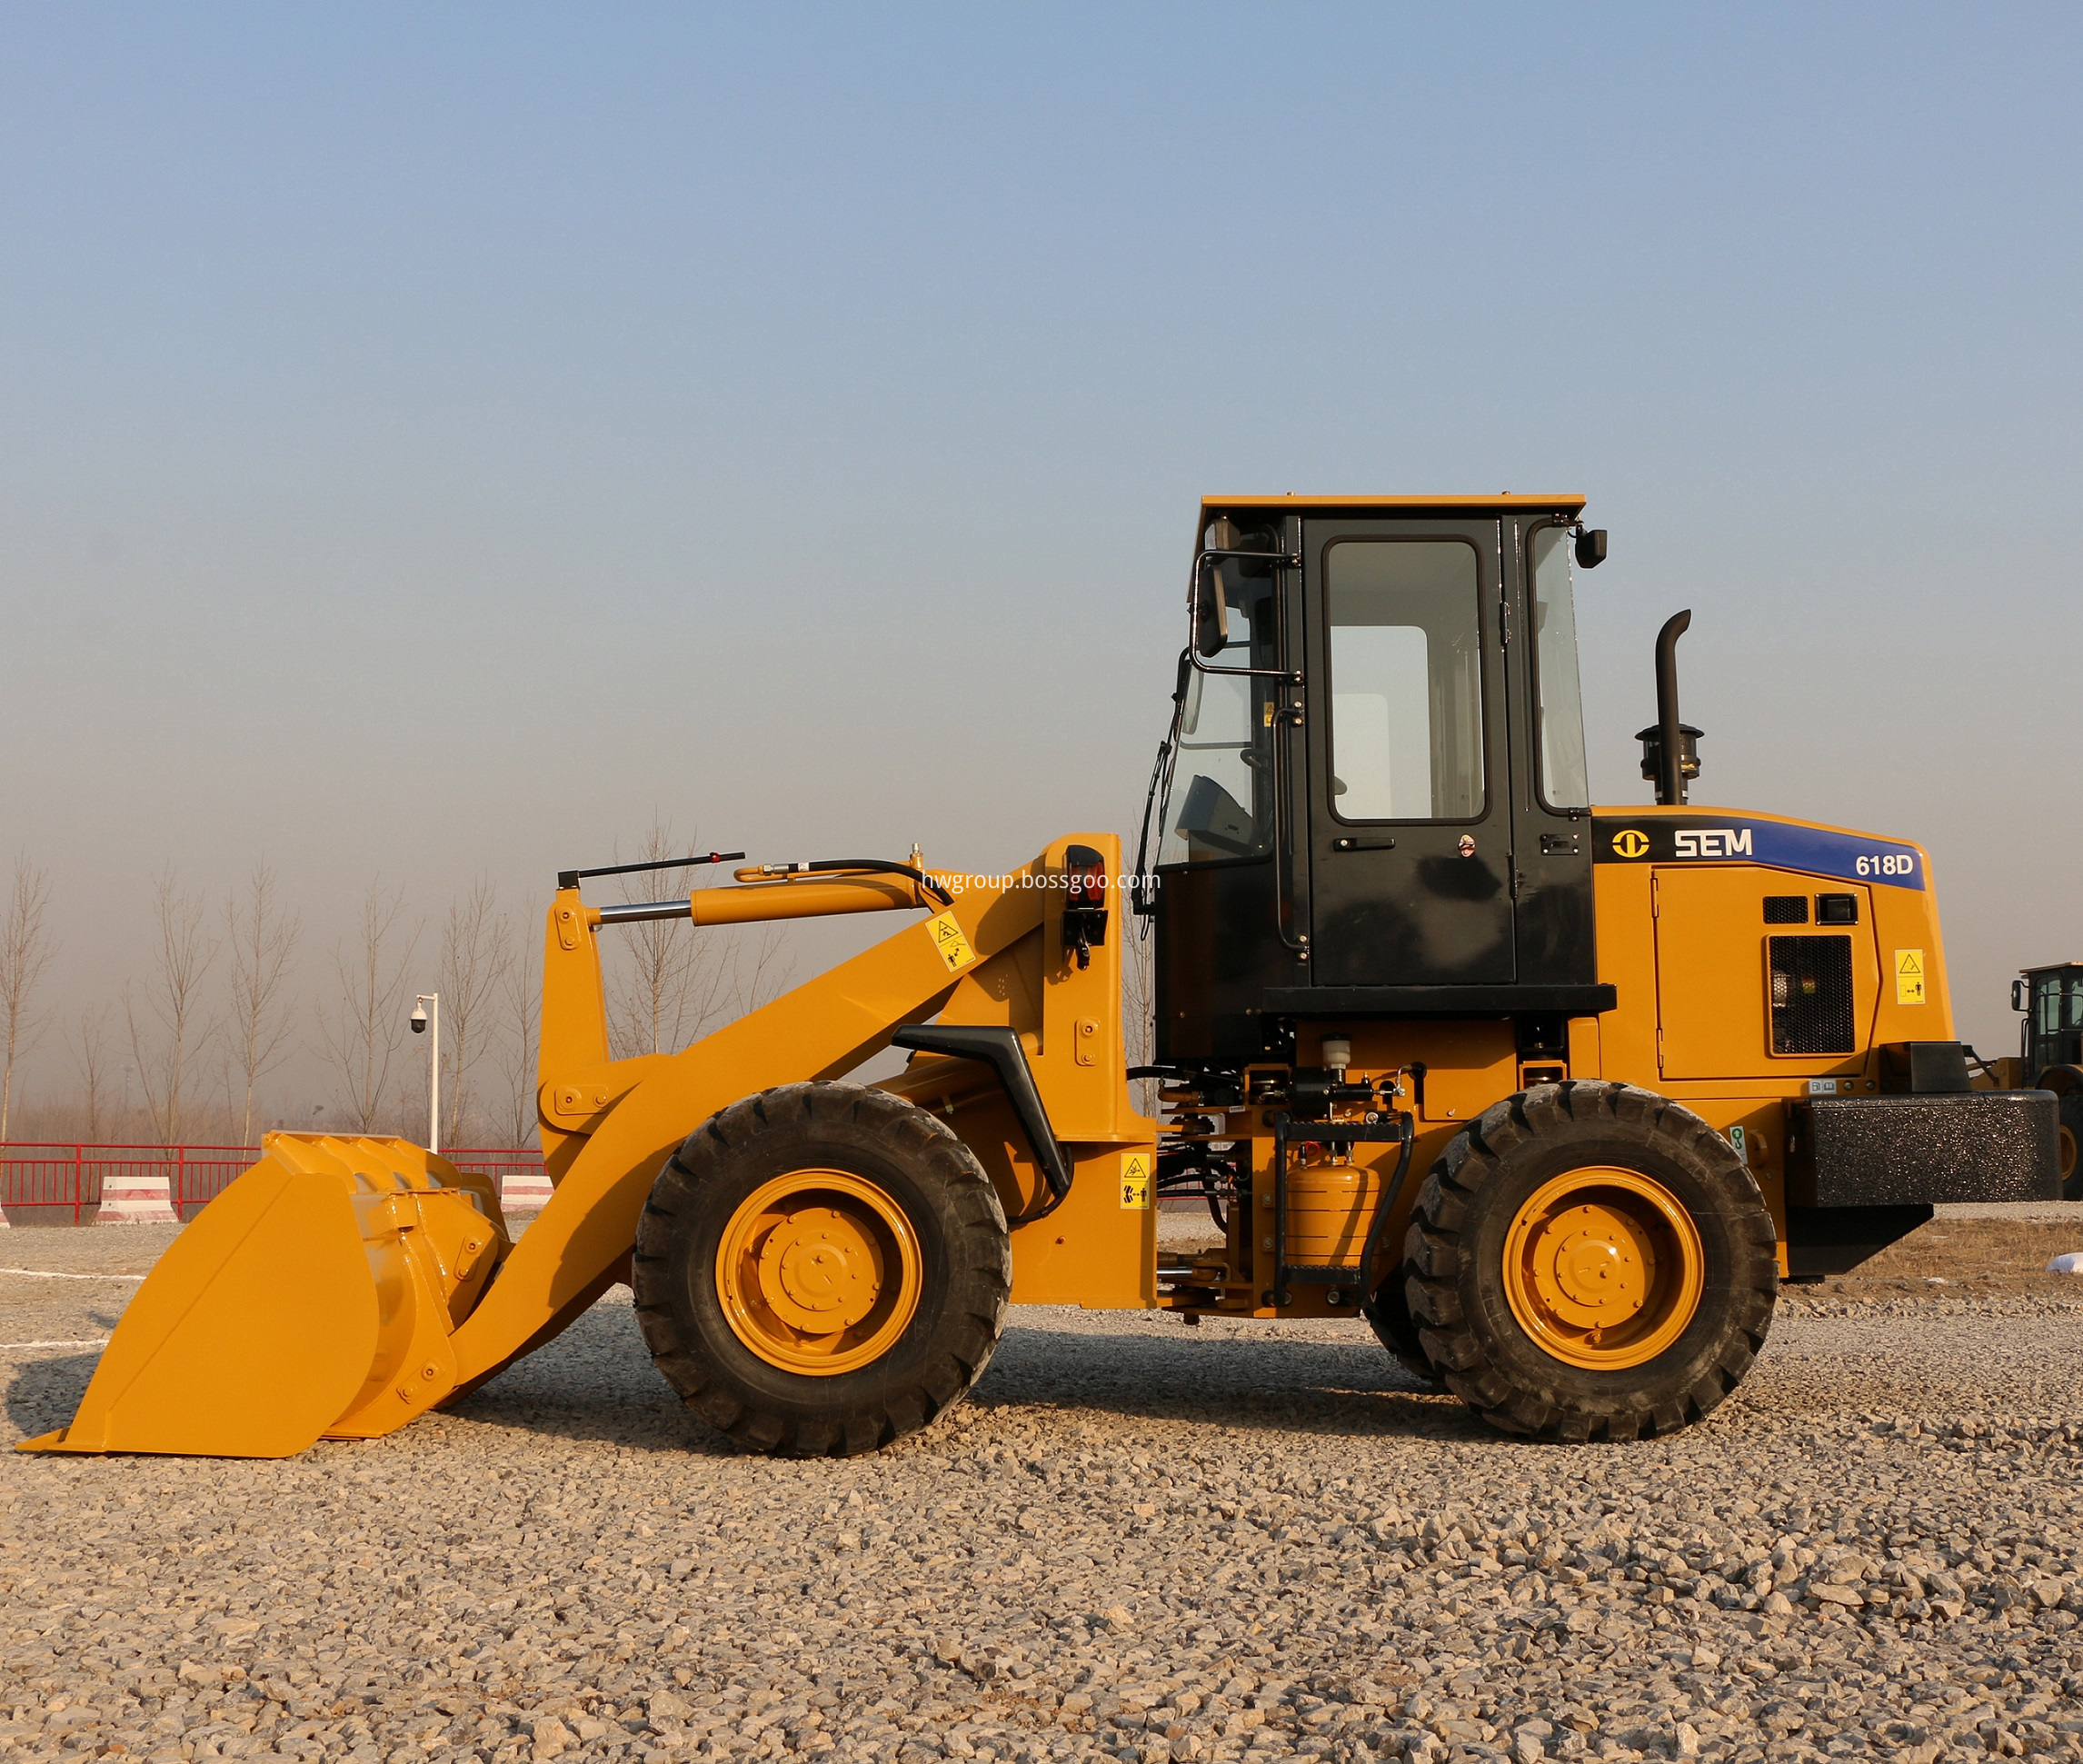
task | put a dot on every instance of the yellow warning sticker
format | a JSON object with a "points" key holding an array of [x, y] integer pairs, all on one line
{"points": [[1908, 976], [1135, 1181], [948, 939]]}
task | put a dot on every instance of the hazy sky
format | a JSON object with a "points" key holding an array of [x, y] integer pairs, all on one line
{"points": [[433, 440]]}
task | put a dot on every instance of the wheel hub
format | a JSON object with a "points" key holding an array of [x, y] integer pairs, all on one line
{"points": [[1589, 1265], [1603, 1268], [818, 1271]]}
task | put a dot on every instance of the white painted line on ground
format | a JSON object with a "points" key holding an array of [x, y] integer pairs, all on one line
{"points": [[47, 1274], [8, 1347]]}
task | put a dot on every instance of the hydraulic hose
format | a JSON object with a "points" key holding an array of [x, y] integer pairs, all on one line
{"points": [[1160, 789]]}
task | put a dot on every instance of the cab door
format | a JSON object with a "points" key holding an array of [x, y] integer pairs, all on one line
{"points": [[1410, 839]]}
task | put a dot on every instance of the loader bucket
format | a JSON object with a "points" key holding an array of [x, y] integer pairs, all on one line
{"points": [[313, 1296]]}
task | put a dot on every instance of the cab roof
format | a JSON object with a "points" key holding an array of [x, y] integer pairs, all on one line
{"points": [[1566, 502]]}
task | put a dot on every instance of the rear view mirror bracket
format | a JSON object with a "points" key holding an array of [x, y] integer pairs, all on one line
{"points": [[1210, 633]]}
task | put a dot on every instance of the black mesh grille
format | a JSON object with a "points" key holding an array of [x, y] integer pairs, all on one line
{"points": [[1812, 995], [1786, 908]]}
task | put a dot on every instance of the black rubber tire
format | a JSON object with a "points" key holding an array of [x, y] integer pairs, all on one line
{"points": [[1455, 1257], [1388, 1314], [965, 1256], [2071, 1119]]}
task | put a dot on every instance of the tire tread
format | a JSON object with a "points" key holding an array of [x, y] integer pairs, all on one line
{"points": [[968, 1330], [1439, 1267]]}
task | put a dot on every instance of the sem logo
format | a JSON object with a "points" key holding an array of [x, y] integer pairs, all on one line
{"points": [[1715, 842], [1633, 844]]}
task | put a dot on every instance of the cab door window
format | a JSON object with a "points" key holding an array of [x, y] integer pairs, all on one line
{"points": [[1405, 630]]}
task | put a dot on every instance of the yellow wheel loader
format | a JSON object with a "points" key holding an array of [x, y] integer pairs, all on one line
{"points": [[2049, 1001], [1555, 1096]]}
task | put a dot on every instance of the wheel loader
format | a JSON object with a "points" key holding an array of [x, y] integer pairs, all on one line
{"points": [[1553, 1095], [2049, 1057]]}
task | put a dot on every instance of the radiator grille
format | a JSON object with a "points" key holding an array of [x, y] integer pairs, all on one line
{"points": [[1786, 908], [1812, 995]]}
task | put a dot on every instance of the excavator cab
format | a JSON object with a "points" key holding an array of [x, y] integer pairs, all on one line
{"points": [[1375, 798]]}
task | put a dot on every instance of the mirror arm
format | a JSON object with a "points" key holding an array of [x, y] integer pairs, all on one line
{"points": [[1279, 560]]}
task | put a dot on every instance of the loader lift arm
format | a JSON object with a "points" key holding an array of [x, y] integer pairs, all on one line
{"points": [[285, 1258], [609, 1125]]}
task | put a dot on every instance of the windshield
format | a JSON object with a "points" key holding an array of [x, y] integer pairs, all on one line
{"points": [[1220, 801], [2057, 1003], [1564, 779]]}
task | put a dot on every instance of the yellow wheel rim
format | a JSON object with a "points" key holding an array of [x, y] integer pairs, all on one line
{"points": [[1603, 1268], [2067, 1151], [819, 1273]]}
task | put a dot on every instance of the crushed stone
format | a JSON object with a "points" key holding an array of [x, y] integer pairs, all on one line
{"points": [[1137, 1540]]}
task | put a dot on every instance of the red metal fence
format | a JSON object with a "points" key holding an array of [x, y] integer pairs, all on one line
{"points": [[52, 1184]]}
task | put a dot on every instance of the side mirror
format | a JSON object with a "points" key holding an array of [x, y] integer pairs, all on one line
{"points": [[1591, 548], [2018, 999], [1210, 622]]}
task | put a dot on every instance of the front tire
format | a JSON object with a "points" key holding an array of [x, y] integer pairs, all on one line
{"points": [[2069, 1135], [1590, 1261], [821, 1270]]}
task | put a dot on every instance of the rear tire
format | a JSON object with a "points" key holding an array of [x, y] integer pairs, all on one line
{"points": [[821, 1270], [1388, 1314], [1590, 1261]]}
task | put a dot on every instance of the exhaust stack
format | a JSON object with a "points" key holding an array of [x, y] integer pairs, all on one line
{"points": [[1670, 749]]}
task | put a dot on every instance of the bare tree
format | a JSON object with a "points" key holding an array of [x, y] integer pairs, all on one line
{"points": [[261, 933], [763, 975], [360, 1035], [475, 954], [1139, 1004], [26, 951], [668, 981], [87, 1042], [171, 1029], [519, 1008]]}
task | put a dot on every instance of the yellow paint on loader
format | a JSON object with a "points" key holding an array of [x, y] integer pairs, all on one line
{"points": [[327, 1274], [343, 1287], [1654, 1156]]}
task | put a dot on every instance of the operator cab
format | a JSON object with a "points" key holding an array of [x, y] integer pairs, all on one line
{"points": [[2052, 1001], [1374, 801]]}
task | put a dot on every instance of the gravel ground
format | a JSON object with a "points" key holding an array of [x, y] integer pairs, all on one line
{"points": [[1137, 1539]]}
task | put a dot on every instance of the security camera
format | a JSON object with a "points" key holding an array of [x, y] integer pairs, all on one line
{"points": [[419, 1019]]}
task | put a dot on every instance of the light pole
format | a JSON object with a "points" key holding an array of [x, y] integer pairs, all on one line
{"points": [[426, 1009]]}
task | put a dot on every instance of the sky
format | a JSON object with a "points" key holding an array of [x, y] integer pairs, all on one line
{"points": [[437, 440]]}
